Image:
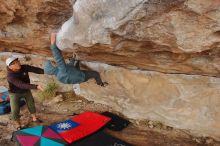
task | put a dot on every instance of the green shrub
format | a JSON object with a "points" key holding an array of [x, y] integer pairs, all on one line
{"points": [[49, 91]]}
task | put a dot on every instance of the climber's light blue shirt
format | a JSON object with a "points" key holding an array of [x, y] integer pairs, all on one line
{"points": [[65, 73]]}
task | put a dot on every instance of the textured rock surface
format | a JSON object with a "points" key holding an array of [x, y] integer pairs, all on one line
{"points": [[171, 36], [181, 101], [168, 36], [25, 25], [92, 21]]}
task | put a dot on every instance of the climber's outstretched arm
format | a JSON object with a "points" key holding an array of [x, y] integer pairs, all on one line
{"points": [[57, 54]]}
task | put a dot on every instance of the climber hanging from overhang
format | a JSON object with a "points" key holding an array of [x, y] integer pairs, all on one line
{"points": [[69, 73]]}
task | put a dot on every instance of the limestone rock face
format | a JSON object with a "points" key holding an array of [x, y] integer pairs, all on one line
{"points": [[181, 101], [25, 25], [170, 36], [92, 21], [167, 36]]}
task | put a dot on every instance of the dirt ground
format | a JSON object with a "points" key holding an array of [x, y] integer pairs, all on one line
{"points": [[139, 133]]}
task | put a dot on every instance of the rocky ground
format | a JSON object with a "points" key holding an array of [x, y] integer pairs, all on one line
{"points": [[139, 133]]}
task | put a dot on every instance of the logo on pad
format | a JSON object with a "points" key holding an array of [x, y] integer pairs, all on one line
{"points": [[64, 126]]}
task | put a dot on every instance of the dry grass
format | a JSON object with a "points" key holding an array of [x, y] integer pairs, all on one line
{"points": [[49, 91]]}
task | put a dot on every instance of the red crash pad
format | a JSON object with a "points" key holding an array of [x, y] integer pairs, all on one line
{"points": [[88, 123]]}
